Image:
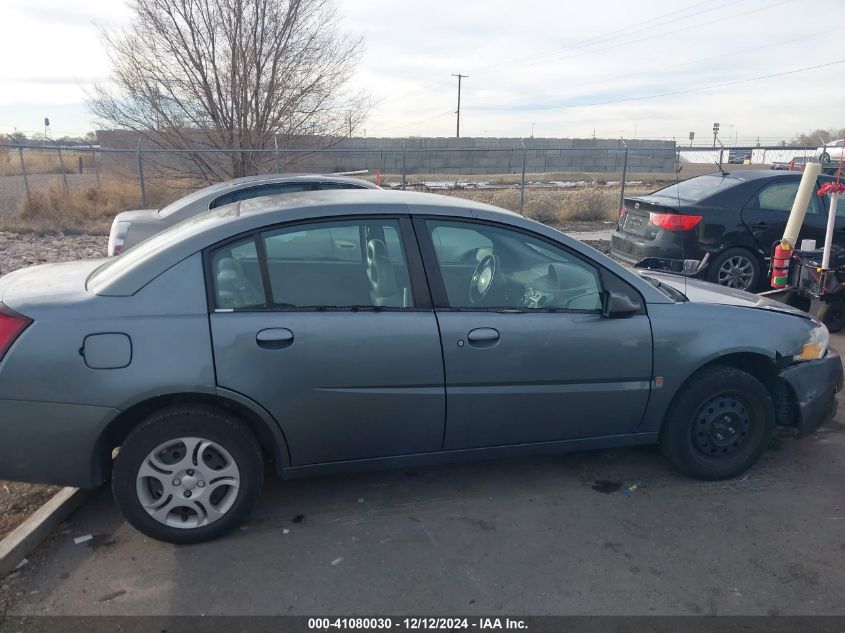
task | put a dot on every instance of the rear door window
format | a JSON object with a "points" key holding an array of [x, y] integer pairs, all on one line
{"points": [[780, 196]]}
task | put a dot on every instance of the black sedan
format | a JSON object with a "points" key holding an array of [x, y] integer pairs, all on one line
{"points": [[719, 227]]}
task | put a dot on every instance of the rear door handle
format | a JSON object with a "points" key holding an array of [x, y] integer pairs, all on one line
{"points": [[483, 337], [761, 225], [274, 338]]}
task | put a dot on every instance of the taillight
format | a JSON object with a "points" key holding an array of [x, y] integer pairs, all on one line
{"points": [[117, 237], [622, 212], [674, 221], [11, 326]]}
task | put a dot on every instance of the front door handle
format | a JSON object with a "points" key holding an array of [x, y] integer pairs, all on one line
{"points": [[483, 337], [274, 338], [761, 225]]}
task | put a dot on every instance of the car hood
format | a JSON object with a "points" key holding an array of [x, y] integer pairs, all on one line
{"points": [[46, 284], [699, 291]]}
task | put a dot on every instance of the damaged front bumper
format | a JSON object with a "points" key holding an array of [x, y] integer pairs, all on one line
{"points": [[814, 384]]}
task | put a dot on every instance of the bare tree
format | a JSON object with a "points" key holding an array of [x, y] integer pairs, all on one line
{"points": [[223, 74], [817, 137]]}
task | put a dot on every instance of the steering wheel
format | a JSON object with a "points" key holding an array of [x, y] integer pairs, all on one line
{"points": [[483, 279]]}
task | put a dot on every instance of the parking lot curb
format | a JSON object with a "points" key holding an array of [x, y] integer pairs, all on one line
{"points": [[32, 532]]}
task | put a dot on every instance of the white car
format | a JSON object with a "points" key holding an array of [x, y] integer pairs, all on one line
{"points": [[831, 151]]}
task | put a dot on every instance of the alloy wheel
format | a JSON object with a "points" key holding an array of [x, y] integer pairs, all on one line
{"points": [[736, 272]]}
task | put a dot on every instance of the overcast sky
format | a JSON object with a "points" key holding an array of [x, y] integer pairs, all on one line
{"points": [[655, 68]]}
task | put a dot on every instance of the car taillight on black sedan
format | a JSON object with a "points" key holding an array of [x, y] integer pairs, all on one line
{"points": [[11, 326], [674, 221]]}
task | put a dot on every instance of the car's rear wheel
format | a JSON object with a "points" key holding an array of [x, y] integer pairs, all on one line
{"points": [[719, 424], [736, 268], [187, 474], [824, 159]]}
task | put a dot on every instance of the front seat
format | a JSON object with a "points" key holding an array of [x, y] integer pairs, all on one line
{"points": [[384, 290]]}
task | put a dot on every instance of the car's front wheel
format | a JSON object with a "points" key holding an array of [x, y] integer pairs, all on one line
{"points": [[824, 159], [187, 474], [719, 424], [736, 268]]}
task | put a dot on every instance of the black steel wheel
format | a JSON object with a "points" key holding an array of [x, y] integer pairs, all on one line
{"points": [[719, 424]]}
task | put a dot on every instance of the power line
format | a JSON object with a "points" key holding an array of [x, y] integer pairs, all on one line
{"points": [[652, 36], [606, 37], [779, 44], [662, 94]]}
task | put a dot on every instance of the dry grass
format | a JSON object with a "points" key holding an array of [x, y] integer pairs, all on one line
{"points": [[44, 162], [84, 209], [587, 204]]}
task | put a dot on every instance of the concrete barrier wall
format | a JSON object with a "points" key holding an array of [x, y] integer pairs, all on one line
{"points": [[440, 155]]}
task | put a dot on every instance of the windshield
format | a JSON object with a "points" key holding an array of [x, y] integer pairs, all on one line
{"points": [[698, 188]]}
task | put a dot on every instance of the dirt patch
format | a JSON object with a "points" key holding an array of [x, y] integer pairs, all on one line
{"points": [[18, 501]]}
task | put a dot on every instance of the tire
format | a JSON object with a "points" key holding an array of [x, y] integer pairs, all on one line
{"points": [[736, 268], [832, 314], [719, 424], [205, 463], [824, 158]]}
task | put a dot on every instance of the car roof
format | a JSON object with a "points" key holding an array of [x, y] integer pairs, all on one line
{"points": [[754, 174]]}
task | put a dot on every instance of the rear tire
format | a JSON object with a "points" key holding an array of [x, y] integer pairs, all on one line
{"points": [[188, 474], [824, 159], [736, 268], [719, 424]]}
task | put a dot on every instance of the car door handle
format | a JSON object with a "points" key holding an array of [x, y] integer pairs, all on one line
{"points": [[761, 225], [274, 338], [483, 337]]}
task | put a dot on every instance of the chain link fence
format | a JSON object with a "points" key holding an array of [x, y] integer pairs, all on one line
{"points": [[546, 178]]}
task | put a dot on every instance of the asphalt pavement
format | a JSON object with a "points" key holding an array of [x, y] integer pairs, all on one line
{"points": [[605, 532]]}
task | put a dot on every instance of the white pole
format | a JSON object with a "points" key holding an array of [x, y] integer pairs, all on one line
{"points": [[828, 236], [806, 189]]}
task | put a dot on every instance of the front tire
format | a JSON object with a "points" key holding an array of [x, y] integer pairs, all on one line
{"points": [[736, 268], [824, 159], [719, 424], [188, 474]]}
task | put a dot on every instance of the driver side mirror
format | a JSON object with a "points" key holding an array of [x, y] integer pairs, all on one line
{"points": [[618, 305]]}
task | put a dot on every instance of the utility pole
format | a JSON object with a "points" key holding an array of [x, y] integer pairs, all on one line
{"points": [[458, 111]]}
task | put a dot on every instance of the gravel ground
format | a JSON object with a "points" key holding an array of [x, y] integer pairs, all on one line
{"points": [[19, 251]]}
